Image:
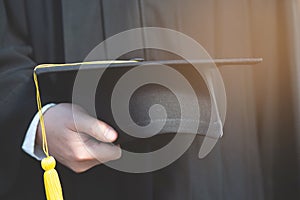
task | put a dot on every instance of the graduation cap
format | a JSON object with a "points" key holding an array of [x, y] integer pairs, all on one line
{"points": [[56, 82], [152, 108]]}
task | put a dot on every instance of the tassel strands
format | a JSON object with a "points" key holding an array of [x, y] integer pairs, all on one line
{"points": [[52, 184], [51, 180]]}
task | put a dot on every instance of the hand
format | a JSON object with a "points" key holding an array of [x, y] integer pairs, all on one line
{"points": [[79, 146]]}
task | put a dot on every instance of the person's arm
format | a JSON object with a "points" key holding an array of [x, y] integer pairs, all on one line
{"points": [[17, 100], [18, 106]]}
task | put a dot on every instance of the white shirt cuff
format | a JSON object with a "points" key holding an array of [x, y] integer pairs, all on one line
{"points": [[29, 145]]}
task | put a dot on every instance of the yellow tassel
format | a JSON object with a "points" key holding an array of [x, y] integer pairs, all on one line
{"points": [[51, 180]]}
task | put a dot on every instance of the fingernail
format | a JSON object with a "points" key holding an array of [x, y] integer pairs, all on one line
{"points": [[109, 134]]}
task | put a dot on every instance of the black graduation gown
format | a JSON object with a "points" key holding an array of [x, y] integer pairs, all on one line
{"points": [[33, 32]]}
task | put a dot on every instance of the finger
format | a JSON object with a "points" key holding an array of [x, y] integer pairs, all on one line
{"points": [[103, 152], [94, 127]]}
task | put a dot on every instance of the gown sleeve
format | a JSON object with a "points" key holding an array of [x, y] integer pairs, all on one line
{"points": [[17, 97]]}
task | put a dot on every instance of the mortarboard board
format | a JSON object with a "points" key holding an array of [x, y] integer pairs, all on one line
{"points": [[57, 84]]}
